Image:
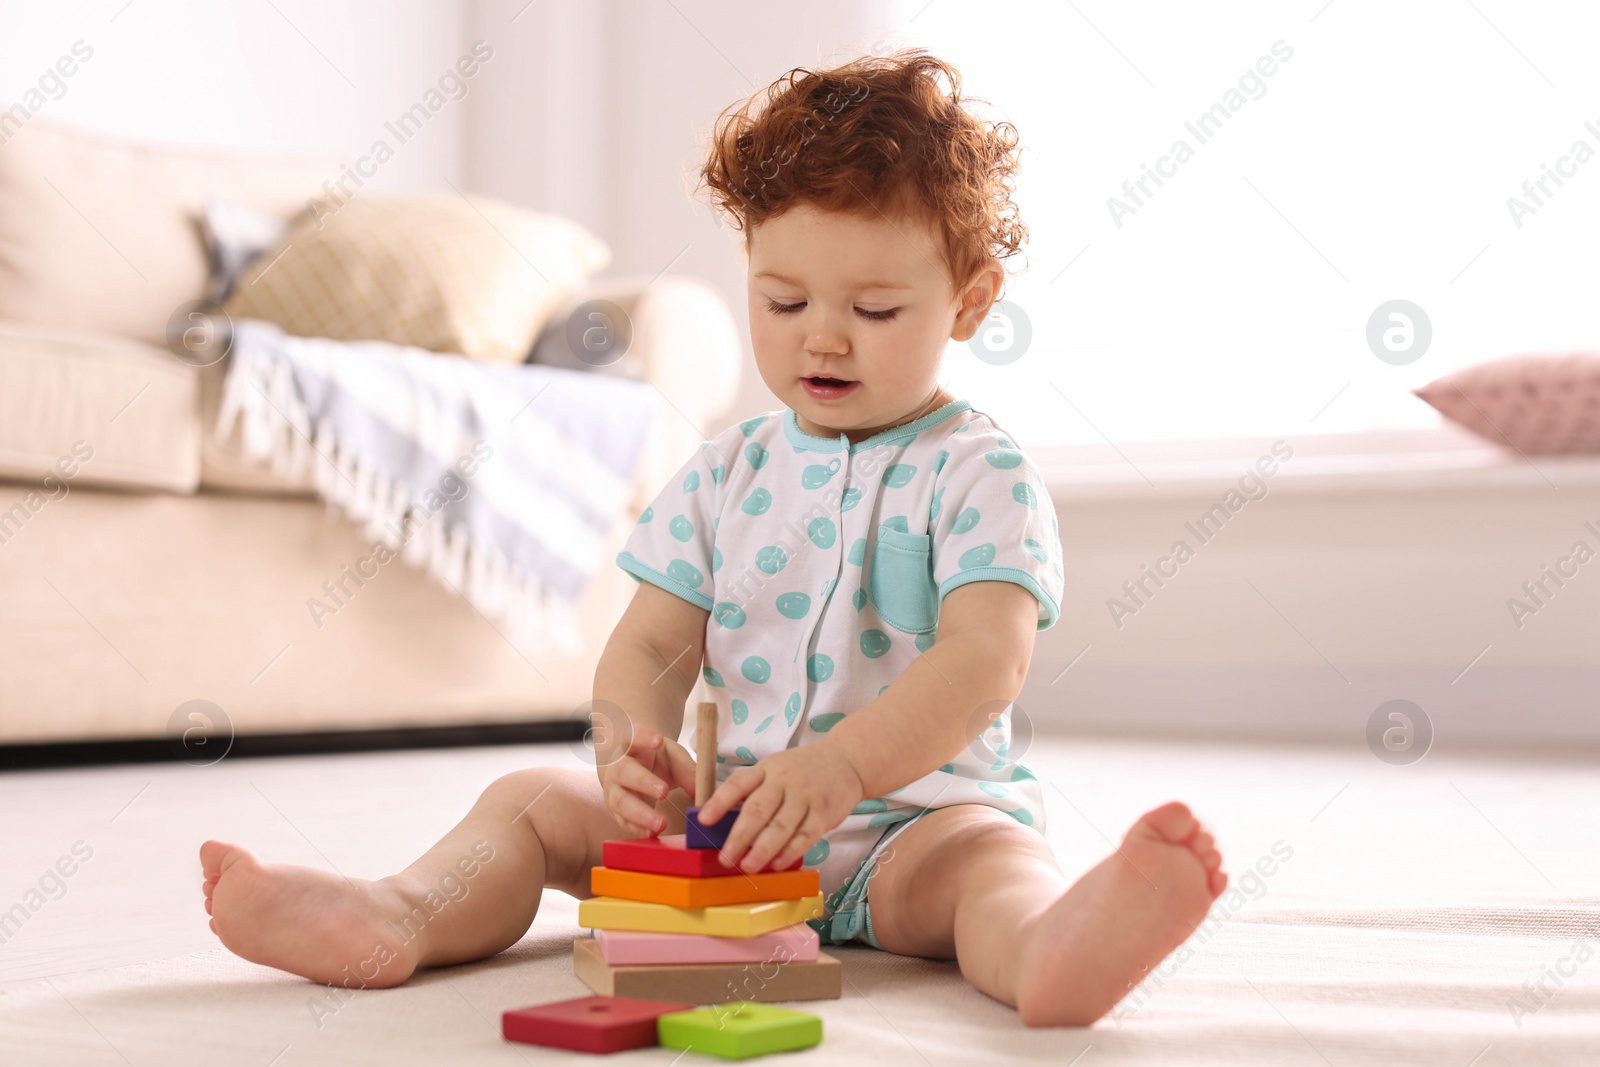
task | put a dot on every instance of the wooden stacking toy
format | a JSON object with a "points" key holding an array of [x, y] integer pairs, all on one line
{"points": [[671, 922], [673, 928]]}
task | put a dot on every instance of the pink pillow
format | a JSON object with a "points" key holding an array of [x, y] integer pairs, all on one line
{"points": [[1534, 403]]}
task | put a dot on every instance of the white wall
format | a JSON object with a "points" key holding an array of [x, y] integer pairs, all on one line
{"points": [[1311, 607], [300, 76]]}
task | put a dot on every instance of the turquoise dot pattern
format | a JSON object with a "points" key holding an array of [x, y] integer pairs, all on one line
{"points": [[793, 662], [817, 475], [897, 475], [978, 556], [793, 605], [681, 570]]}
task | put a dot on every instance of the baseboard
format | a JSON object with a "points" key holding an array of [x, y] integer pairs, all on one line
{"points": [[249, 746], [1516, 704]]}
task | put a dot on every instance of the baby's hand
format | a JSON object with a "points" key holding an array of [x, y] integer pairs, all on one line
{"points": [[634, 781], [790, 799]]}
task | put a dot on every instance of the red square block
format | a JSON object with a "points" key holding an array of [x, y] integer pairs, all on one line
{"points": [[589, 1024], [671, 855]]}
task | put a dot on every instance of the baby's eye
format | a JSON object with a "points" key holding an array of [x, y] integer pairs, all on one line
{"points": [[788, 309]]}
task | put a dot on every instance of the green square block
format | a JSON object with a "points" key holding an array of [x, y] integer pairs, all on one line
{"points": [[740, 1030]]}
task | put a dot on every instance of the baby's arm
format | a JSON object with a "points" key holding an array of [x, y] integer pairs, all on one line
{"points": [[791, 798], [644, 676]]}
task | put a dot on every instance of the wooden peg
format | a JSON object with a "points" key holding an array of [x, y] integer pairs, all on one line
{"points": [[705, 757]]}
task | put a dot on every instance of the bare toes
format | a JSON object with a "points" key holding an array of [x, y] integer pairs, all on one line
{"points": [[1173, 821]]}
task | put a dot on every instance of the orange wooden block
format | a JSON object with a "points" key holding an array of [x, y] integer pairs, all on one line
{"points": [[683, 892]]}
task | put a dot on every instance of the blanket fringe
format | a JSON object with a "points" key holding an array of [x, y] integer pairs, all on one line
{"points": [[275, 427]]}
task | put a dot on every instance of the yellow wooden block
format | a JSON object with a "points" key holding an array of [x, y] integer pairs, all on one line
{"points": [[683, 892], [724, 920]]}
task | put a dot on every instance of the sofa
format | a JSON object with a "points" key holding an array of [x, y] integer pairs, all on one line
{"points": [[170, 568]]}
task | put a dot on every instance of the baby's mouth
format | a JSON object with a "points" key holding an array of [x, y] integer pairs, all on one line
{"points": [[835, 382]]}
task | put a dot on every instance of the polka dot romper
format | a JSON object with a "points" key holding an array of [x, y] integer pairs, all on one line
{"points": [[822, 565]]}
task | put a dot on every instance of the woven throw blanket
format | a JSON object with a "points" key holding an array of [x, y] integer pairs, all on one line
{"points": [[503, 481]]}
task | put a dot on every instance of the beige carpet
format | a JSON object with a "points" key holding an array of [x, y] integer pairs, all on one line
{"points": [[1417, 903]]}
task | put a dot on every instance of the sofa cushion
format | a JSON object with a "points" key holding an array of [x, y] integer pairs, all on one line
{"points": [[102, 234], [127, 412], [439, 272]]}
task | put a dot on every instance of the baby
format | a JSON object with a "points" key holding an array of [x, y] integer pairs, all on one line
{"points": [[856, 579]]}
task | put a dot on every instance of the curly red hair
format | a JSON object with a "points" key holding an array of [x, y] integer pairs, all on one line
{"points": [[877, 135]]}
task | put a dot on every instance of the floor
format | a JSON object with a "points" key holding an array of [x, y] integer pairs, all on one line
{"points": [[1440, 913]]}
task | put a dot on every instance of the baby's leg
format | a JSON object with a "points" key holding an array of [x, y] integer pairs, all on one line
{"points": [[471, 895], [971, 883]]}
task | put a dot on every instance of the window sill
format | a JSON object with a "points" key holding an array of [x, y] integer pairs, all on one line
{"points": [[1440, 458]]}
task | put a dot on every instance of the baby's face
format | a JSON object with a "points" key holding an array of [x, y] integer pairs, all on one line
{"points": [[863, 301]]}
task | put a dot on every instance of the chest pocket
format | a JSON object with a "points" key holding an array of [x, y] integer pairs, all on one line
{"points": [[900, 583]]}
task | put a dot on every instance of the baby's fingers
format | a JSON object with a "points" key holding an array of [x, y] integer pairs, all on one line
{"points": [[740, 784], [777, 833], [632, 775], [764, 803], [679, 765], [629, 806], [810, 832]]}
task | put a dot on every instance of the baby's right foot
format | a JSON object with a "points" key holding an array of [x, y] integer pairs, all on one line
{"points": [[312, 923]]}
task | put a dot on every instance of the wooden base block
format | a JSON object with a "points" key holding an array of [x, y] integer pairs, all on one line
{"points": [[709, 983]]}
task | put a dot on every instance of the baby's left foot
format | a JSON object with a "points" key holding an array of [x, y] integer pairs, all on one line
{"points": [[1087, 950]]}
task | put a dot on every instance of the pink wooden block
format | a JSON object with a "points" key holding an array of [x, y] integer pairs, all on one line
{"points": [[797, 943]]}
